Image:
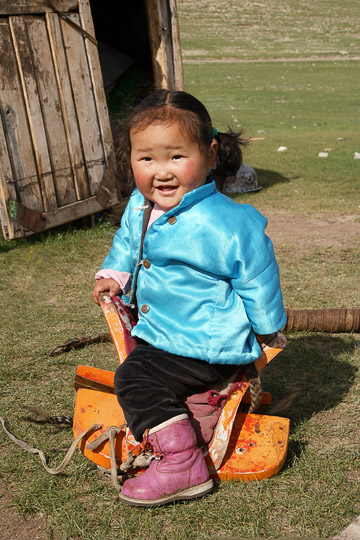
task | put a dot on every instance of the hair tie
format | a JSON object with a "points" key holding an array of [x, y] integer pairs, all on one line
{"points": [[215, 132]]}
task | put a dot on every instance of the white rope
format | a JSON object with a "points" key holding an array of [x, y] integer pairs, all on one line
{"points": [[66, 459], [109, 434]]}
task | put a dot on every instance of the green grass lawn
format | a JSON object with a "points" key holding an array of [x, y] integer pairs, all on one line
{"points": [[308, 107], [268, 29], [47, 282], [47, 302]]}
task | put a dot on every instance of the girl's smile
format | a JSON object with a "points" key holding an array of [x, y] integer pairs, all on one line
{"points": [[167, 164]]}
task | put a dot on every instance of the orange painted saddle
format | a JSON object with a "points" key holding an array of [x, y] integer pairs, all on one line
{"points": [[237, 445]]}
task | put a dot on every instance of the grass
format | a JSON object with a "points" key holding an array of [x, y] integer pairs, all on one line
{"points": [[47, 281], [307, 107], [267, 29]]}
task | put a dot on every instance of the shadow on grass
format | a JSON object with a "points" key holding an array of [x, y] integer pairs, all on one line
{"points": [[315, 367], [267, 178]]}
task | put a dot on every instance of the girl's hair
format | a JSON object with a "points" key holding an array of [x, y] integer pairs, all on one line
{"points": [[166, 107]]}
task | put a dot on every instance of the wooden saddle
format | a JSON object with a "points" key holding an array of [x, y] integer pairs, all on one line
{"points": [[237, 445]]}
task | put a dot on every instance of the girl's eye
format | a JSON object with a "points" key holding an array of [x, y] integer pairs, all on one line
{"points": [[146, 159], [177, 156]]}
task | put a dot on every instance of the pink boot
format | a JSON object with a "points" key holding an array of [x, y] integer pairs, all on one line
{"points": [[180, 471]]}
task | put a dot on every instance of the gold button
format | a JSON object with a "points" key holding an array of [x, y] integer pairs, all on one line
{"points": [[147, 263], [172, 220], [145, 308]]}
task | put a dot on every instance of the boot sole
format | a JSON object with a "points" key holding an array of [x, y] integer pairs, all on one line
{"points": [[190, 493]]}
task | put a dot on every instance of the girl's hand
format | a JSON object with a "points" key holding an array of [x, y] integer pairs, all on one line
{"points": [[103, 285]]}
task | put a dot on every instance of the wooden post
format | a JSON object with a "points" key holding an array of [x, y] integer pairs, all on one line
{"points": [[177, 57], [165, 44]]}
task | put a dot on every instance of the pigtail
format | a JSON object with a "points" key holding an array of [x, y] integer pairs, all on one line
{"points": [[229, 156], [255, 387]]}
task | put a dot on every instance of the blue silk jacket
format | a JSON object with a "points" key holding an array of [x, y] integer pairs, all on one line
{"points": [[207, 279]]}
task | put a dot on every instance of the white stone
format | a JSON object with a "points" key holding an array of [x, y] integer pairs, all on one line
{"points": [[323, 154], [352, 532], [356, 155], [282, 149]]}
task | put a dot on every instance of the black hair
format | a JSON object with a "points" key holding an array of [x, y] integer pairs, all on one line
{"points": [[229, 155], [166, 106]]}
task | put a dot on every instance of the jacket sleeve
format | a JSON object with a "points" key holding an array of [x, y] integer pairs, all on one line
{"points": [[257, 279], [123, 279], [120, 257]]}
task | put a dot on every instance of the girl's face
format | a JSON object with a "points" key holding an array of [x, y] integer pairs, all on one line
{"points": [[167, 163]]}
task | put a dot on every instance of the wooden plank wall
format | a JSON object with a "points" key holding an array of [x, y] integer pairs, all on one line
{"points": [[55, 138]]}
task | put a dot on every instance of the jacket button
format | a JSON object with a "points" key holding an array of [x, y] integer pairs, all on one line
{"points": [[147, 263], [172, 220], [145, 308]]}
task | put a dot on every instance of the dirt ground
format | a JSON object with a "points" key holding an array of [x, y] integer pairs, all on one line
{"points": [[311, 232], [15, 527]]}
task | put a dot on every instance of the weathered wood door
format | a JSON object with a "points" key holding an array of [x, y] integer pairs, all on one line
{"points": [[55, 137]]}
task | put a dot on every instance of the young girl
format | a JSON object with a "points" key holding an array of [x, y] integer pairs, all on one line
{"points": [[203, 276]]}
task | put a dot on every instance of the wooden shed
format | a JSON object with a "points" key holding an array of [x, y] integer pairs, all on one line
{"points": [[56, 147]]}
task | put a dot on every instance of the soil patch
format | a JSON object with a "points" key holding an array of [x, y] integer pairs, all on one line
{"points": [[13, 526], [340, 232]]}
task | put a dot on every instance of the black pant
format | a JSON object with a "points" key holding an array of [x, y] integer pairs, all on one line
{"points": [[152, 385]]}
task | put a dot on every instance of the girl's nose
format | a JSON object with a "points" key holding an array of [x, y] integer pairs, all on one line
{"points": [[163, 173]]}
